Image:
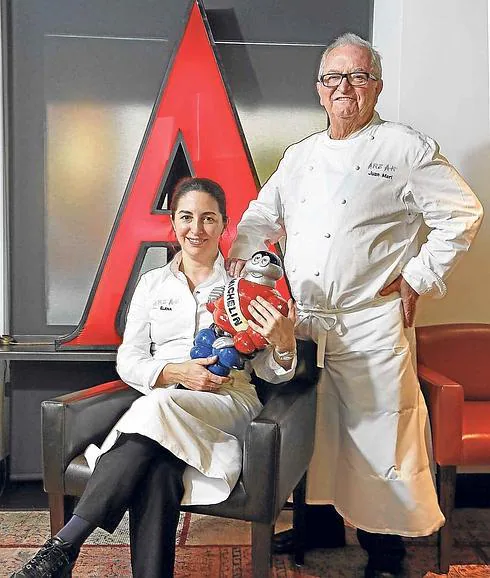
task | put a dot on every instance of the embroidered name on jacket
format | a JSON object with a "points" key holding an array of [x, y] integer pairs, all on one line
{"points": [[163, 304], [382, 170]]}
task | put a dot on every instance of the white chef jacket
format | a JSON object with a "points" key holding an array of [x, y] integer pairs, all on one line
{"points": [[203, 429], [350, 212]]}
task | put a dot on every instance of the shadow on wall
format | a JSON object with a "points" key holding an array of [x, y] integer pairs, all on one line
{"points": [[467, 296]]}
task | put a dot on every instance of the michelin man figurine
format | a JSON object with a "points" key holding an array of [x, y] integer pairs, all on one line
{"points": [[231, 338]]}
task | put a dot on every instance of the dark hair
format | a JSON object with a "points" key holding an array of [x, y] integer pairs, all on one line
{"points": [[211, 188]]}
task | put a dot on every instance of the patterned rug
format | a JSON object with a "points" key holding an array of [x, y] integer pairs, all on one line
{"points": [[218, 548]]}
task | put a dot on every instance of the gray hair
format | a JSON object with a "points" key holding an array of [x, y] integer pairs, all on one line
{"points": [[351, 39]]}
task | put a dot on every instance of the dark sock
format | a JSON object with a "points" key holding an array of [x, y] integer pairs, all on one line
{"points": [[76, 531]]}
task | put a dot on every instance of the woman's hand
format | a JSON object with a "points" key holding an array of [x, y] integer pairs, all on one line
{"points": [[275, 327], [192, 374]]}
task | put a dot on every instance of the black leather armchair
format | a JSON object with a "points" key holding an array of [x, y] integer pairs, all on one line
{"points": [[277, 450]]}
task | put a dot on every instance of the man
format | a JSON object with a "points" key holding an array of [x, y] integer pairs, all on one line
{"points": [[349, 203]]}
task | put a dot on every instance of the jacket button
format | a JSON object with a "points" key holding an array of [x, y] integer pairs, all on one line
{"points": [[310, 167], [343, 201], [302, 200], [316, 273], [327, 235], [357, 167]]}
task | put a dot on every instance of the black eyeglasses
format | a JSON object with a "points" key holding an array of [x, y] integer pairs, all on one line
{"points": [[334, 79]]}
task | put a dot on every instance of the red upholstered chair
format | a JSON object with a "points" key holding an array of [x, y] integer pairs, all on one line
{"points": [[454, 372]]}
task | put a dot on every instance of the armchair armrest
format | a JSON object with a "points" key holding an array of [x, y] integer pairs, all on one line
{"points": [[279, 445], [279, 441], [73, 421], [445, 399]]}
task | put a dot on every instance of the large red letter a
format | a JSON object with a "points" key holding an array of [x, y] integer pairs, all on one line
{"points": [[193, 100]]}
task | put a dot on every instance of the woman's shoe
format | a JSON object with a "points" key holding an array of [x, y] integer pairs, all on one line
{"points": [[54, 560]]}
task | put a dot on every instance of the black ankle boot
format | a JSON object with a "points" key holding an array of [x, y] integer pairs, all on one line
{"points": [[54, 560]]}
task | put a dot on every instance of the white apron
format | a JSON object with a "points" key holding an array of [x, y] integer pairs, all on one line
{"points": [[203, 429], [372, 438]]}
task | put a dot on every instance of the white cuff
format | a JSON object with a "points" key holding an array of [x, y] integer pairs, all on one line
{"points": [[423, 280]]}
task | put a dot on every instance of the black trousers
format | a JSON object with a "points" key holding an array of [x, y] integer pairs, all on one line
{"points": [[139, 475]]}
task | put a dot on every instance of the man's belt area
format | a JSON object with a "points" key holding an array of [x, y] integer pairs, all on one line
{"points": [[328, 319]]}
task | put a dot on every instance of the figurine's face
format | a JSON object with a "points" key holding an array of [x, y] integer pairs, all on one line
{"points": [[261, 269]]}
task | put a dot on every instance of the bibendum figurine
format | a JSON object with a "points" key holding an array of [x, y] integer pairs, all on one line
{"points": [[231, 338]]}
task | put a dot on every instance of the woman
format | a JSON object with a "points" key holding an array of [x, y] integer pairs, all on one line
{"points": [[181, 441]]}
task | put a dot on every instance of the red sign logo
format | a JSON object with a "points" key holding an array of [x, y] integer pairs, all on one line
{"points": [[194, 113]]}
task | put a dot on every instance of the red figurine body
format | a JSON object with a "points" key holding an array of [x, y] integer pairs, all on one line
{"points": [[230, 311]]}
